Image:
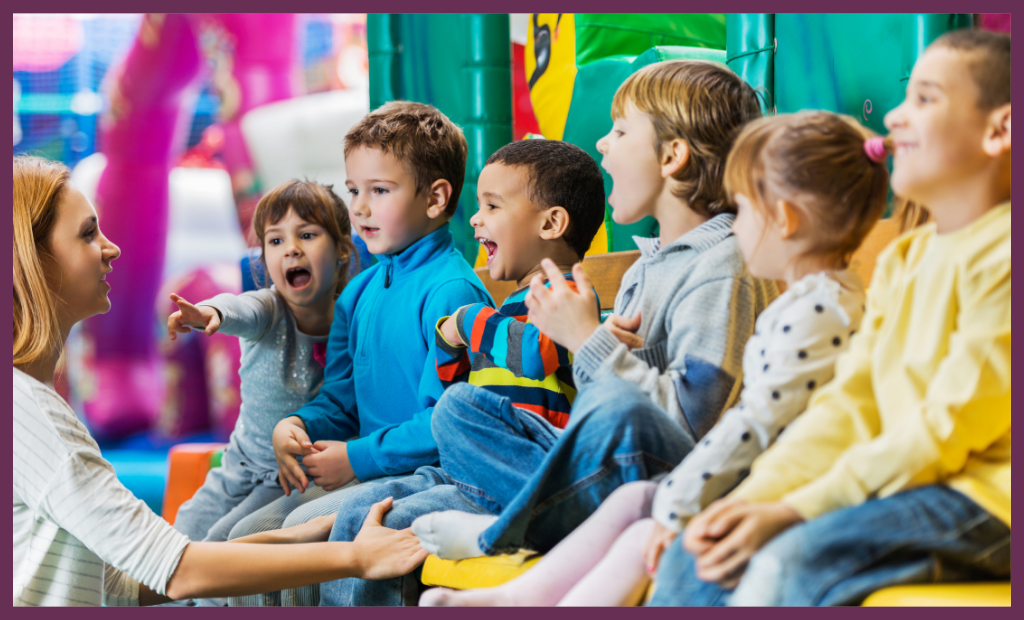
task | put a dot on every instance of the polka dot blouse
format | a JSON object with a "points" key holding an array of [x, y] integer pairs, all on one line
{"points": [[792, 352]]}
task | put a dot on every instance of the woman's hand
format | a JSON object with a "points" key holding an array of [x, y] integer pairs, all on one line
{"points": [[199, 317], [661, 538], [290, 440], [727, 535], [563, 315], [383, 553]]}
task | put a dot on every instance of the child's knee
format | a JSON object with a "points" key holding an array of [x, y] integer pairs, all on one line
{"points": [[633, 498]]}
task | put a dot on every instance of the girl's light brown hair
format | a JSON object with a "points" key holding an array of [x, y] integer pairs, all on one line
{"points": [[815, 161], [314, 203], [39, 185], [701, 102]]}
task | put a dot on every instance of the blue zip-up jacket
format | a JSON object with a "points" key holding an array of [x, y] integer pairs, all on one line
{"points": [[380, 385]]}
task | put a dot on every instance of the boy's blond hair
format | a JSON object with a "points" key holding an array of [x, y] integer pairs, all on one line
{"points": [[701, 102], [420, 136]]}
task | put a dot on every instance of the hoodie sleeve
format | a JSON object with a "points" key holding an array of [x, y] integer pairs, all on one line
{"points": [[401, 448], [691, 375]]}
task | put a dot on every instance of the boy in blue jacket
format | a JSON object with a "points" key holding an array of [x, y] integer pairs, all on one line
{"points": [[405, 164]]}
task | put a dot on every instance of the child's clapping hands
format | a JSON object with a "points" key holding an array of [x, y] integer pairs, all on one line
{"points": [[570, 317]]}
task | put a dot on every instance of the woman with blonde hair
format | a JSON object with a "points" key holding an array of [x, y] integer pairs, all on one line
{"points": [[80, 537]]}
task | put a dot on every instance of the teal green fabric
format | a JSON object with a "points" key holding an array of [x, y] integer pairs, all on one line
{"points": [[601, 35], [590, 119], [460, 63], [750, 47], [851, 63]]}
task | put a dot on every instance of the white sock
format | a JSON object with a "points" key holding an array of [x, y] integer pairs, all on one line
{"points": [[452, 534]]}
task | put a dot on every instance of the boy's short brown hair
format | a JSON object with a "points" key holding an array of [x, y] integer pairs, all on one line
{"points": [[701, 102], [988, 61], [426, 141]]}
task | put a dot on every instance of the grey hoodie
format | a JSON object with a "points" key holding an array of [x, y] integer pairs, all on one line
{"points": [[699, 305]]}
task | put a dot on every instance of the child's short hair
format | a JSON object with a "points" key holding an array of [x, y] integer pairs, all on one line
{"points": [[701, 102], [817, 161], [988, 59], [426, 141], [312, 202], [561, 175]]}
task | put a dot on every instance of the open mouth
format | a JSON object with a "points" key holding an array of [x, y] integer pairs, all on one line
{"points": [[370, 232], [490, 247], [298, 277]]}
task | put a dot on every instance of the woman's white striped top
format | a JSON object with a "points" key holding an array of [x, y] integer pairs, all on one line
{"points": [[80, 537]]}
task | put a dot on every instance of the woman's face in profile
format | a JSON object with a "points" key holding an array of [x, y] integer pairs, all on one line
{"points": [[79, 260]]}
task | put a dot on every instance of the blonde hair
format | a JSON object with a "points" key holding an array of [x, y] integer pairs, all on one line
{"points": [[39, 185], [312, 202], [815, 160], [701, 102]]}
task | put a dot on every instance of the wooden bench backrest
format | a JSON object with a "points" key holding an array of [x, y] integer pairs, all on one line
{"points": [[606, 270]]}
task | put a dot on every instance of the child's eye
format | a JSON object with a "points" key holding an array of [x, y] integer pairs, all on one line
{"points": [[619, 133], [307, 236], [275, 241], [380, 190], [353, 192]]}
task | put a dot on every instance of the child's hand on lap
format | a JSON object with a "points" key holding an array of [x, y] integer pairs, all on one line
{"points": [[661, 538], [383, 553], [729, 532], [290, 440], [329, 465], [561, 314], [625, 330], [199, 317]]}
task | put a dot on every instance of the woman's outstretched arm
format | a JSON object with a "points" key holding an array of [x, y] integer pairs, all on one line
{"points": [[230, 569]]}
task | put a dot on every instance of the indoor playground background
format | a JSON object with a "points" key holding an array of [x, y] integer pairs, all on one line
{"points": [[174, 125]]}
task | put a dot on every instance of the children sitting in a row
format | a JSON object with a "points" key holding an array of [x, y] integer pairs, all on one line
{"points": [[898, 472]]}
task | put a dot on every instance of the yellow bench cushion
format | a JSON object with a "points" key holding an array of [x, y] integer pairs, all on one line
{"points": [[943, 595], [484, 572]]}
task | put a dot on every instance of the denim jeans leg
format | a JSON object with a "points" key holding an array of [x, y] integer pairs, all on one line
{"points": [[616, 434], [428, 490], [930, 534], [677, 584], [487, 446]]}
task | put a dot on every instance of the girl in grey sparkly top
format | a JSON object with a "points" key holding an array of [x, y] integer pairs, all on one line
{"points": [[305, 235]]}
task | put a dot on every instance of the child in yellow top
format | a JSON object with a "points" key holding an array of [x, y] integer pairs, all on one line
{"points": [[899, 471]]}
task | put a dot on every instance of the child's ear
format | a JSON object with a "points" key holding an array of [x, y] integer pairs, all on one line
{"points": [[787, 218], [438, 195], [555, 223], [674, 156], [997, 133]]}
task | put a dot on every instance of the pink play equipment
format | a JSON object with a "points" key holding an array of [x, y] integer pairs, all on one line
{"points": [[143, 133]]}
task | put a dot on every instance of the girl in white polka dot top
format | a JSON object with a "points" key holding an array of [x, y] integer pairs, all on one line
{"points": [[807, 194]]}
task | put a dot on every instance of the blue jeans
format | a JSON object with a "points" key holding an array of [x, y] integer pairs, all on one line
{"points": [[930, 534], [546, 482], [428, 490]]}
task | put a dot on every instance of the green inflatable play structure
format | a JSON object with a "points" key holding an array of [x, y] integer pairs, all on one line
{"points": [[856, 64]]}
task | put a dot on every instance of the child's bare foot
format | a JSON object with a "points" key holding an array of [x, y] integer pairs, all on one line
{"points": [[452, 535], [485, 597]]}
